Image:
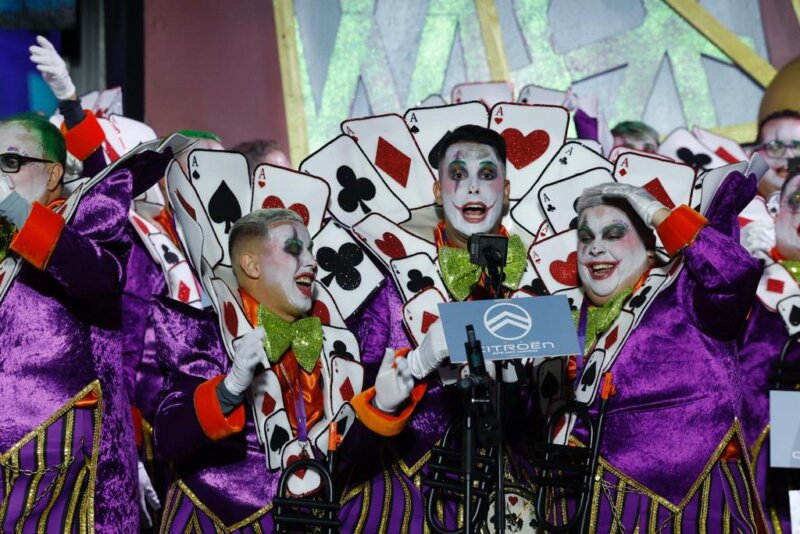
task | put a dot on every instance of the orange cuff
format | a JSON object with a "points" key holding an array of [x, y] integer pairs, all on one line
{"points": [[680, 229], [206, 405], [136, 413], [382, 423], [84, 138], [37, 238]]}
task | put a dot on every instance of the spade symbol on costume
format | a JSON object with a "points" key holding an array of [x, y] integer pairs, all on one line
{"points": [[223, 206], [195, 174], [794, 316], [549, 386], [341, 265], [414, 129], [169, 256], [279, 437], [417, 282], [588, 376], [340, 349], [640, 299], [355, 191], [697, 161]]}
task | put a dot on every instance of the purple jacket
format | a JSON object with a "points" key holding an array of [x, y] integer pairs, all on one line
{"points": [[66, 408]]}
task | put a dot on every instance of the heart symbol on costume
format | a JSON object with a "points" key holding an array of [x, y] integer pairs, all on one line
{"points": [[261, 183], [522, 150], [498, 120], [513, 500], [566, 272], [320, 310], [273, 202], [231, 319], [301, 473], [427, 320], [391, 246]]}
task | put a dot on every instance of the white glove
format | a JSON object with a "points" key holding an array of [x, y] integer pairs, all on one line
{"points": [[147, 494], [642, 202], [53, 68], [248, 353], [426, 358], [758, 237], [394, 382]]}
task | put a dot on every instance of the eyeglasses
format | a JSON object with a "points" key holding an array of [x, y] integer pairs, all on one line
{"points": [[777, 148], [11, 163]]}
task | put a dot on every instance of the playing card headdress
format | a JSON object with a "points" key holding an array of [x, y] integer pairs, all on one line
{"points": [[217, 192], [381, 183]]}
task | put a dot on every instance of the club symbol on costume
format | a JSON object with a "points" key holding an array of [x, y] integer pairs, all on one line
{"points": [[223, 206], [355, 191], [588, 376], [417, 282], [551, 208], [697, 161], [169, 256], [341, 265], [640, 298], [562, 160], [794, 316], [340, 349], [279, 438]]}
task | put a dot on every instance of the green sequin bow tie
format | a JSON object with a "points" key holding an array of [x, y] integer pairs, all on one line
{"points": [[793, 266], [304, 336], [601, 317], [460, 275]]}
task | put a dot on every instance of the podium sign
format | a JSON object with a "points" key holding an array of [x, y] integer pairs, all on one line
{"points": [[534, 327], [784, 429]]}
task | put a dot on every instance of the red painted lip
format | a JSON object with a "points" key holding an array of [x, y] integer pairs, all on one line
{"points": [[472, 219], [603, 275], [306, 290]]}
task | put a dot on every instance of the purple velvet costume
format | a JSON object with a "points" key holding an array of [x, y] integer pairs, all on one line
{"points": [[760, 345], [61, 345], [673, 454]]}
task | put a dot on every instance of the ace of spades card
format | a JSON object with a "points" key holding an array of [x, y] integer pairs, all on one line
{"points": [[389, 241], [430, 124], [421, 311], [533, 135], [222, 182], [415, 273], [392, 149], [278, 187], [572, 159], [551, 374], [589, 377], [277, 433], [682, 146], [488, 93], [356, 187], [559, 200], [346, 272]]}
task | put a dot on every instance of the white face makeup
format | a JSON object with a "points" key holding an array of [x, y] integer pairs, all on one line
{"points": [[288, 269], [473, 188], [30, 182], [787, 221], [786, 130], [611, 255]]}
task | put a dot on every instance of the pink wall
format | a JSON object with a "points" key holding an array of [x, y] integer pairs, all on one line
{"points": [[214, 66]]}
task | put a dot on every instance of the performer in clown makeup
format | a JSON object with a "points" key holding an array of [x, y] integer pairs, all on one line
{"points": [[202, 424], [62, 278], [672, 453], [473, 192], [768, 331]]}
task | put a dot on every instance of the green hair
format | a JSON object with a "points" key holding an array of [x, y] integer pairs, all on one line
{"points": [[635, 129], [200, 134], [54, 147]]}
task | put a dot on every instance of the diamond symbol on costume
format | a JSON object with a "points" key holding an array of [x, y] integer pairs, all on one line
{"points": [[774, 285], [392, 161], [183, 292], [428, 319], [623, 172], [268, 404], [611, 338], [656, 188], [346, 390]]}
